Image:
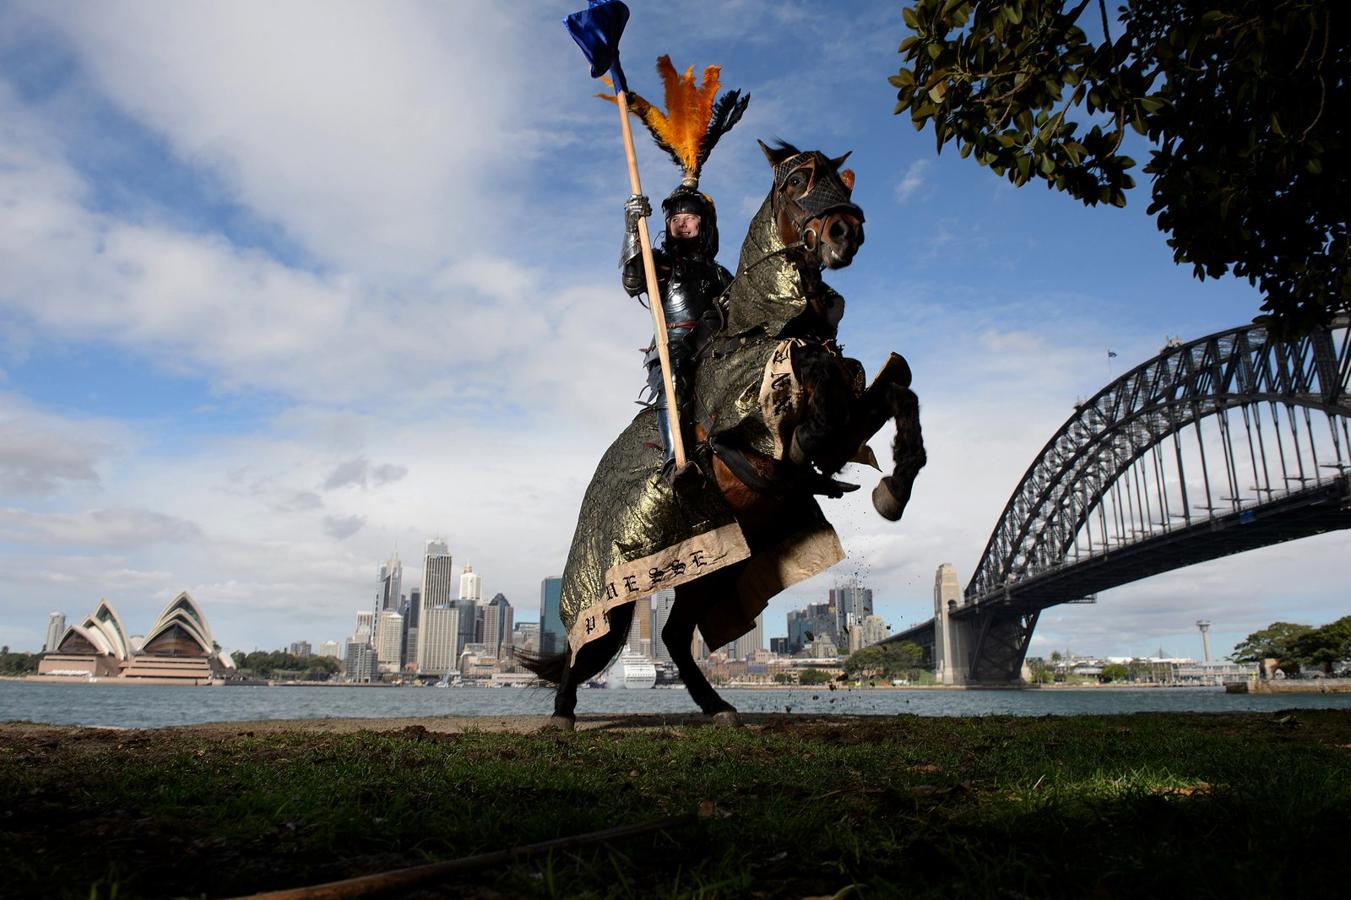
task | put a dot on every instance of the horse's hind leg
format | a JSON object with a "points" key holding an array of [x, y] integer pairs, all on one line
{"points": [[678, 635], [590, 660]]}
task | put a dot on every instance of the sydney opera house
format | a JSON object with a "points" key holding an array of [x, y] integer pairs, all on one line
{"points": [[178, 649]]}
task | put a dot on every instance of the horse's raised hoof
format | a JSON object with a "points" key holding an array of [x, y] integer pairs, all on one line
{"points": [[728, 718], [890, 499], [559, 723]]}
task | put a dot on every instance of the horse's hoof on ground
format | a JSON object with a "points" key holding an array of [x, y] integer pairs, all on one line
{"points": [[559, 723], [728, 718], [886, 501]]}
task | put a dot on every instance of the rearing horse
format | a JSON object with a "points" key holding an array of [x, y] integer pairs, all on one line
{"points": [[780, 410]]}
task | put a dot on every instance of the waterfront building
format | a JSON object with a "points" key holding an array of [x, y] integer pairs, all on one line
{"points": [[331, 649], [497, 622], [56, 626], [438, 635], [640, 629], [301, 649], [178, 648], [361, 663], [552, 637], [435, 593], [389, 641], [778, 646]]}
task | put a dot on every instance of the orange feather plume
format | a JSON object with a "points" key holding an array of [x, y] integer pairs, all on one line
{"points": [[692, 122]]}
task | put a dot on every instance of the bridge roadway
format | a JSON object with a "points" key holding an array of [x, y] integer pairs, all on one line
{"points": [[1315, 510]]}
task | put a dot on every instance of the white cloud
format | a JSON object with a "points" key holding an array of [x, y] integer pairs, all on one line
{"points": [[342, 527], [914, 180], [95, 528], [370, 134]]}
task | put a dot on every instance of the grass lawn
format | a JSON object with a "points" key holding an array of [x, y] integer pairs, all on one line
{"points": [[1086, 807]]}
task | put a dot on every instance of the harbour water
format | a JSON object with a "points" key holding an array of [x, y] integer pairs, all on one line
{"points": [[156, 706]]}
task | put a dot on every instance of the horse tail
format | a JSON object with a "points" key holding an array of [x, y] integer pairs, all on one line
{"points": [[552, 667]]}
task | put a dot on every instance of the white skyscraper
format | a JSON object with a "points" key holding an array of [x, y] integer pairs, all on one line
{"points": [[56, 627], [437, 632], [471, 585], [435, 594], [389, 641], [365, 630]]}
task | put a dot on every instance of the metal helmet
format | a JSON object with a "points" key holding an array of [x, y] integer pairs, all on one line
{"points": [[688, 199]]}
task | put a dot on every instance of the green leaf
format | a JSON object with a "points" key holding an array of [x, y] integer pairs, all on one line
{"points": [[1013, 12], [1314, 166], [910, 18]]}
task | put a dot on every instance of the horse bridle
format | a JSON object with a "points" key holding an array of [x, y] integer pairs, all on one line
{"points": [[827, 195]]}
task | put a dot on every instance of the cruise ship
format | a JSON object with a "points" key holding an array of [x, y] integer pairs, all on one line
{"points": [[631, 670]]}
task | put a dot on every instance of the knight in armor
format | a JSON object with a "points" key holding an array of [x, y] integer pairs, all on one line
{"points": [[688, 275], [690, 280]]}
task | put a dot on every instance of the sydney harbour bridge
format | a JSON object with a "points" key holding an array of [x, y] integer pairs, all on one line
{"points": [[1224, 444]]}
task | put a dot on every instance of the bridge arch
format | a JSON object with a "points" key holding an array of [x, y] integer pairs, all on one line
{"points": [[1111, 461]]}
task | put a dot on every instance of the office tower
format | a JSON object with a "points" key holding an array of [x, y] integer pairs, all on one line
{"points": [[778, 646], [471, 585], [662, 601], [435, 593], [438, 634], [497, 622], [753, 640], [853, 603], [365, 629], [469, 623], [360, 662], [300, 648], [525, 636], [640, 632], [552, 638], [391, 584], [331, 649], [817, 621], [389, 638], [56, 627]]}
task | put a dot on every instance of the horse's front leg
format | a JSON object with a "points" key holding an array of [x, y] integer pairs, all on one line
{"points": [[893, 492], [678, 636]]}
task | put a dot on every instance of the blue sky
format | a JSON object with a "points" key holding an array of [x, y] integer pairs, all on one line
{"points": [[285, 287]]}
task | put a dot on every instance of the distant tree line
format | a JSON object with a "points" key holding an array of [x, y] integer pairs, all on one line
{"points": [[884, 662], [18, 663], [285, 666], [1295, 646]]}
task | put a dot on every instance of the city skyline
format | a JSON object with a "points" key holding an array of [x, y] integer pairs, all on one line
{"points": [[262, 324]]}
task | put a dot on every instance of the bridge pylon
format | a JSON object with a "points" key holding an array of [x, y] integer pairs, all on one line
{"points": [[952, 636]]}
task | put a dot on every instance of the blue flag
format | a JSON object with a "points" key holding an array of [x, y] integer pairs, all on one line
{"points": [[596, 30]]}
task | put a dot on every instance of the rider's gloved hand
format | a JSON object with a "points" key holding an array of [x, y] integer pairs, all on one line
{"points": [[635, 208]]}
